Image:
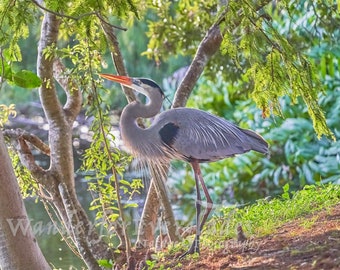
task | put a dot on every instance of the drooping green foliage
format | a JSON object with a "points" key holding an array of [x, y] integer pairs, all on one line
{"points": [[256, 57], [28, 185], [80, 23], [14, 20]]}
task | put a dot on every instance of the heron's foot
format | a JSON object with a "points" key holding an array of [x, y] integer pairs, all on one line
{"points": [[194, 248]]}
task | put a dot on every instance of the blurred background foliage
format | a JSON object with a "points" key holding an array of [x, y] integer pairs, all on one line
{"points": [[297, 156], [162, 43]]}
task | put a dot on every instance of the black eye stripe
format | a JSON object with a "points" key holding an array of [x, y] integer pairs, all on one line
{"points": [[149, 82]]}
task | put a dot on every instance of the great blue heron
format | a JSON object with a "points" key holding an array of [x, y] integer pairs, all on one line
{"points": [[188, 134]]}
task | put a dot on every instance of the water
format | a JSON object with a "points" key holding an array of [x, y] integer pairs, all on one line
{"points": [[55, 250]]}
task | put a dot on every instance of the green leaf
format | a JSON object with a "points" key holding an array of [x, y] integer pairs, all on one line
{"points": [[105, 263], [285, 194], [124, 182], [5, 70], [133, 205], [26, 79]]}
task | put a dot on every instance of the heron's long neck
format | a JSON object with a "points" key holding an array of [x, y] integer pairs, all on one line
{"points": [[135, 110], [130, 131]]}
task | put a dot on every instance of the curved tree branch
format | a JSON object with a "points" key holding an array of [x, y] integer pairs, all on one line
{"points": [[207, 48], [117, 57], [14, 134], [60, 126], [20, 138]]}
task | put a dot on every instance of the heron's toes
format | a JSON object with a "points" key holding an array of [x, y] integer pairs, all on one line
{"points": [[194, 248]]}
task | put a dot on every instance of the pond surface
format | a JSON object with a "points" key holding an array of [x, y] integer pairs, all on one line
{"points": [[56, 251]]}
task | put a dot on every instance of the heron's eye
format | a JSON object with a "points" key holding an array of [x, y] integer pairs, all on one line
{"points": [[137, 82]]}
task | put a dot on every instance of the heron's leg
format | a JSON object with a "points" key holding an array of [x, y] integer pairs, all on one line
{"points": [[207, 196], [199, 224], [196, 244], [194, 248]]}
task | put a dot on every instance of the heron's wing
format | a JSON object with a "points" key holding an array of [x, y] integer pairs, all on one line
{"points": [[196, 134]]}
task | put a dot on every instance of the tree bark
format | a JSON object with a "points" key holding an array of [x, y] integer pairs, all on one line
{"points": [[207, 48], [18, 247], [146, 227], [61, 172], [157, 196]]}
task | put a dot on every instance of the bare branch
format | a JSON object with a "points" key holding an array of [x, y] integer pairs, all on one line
{"points": [[103, 21], [61, 14], [74, 97], [14, 134], [78, 232], [208, 46], [117, 58]]}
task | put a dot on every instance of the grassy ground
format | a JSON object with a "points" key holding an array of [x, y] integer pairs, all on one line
{"points": [[296, 231]]}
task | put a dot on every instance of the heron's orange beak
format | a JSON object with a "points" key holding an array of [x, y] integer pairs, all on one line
{"points": [[119, 79]]}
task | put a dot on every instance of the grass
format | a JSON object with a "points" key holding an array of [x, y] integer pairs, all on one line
{"points": [[260, 219], [263, 217]]}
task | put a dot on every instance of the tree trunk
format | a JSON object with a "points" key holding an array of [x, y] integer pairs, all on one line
{"points": [[18, 247], [61, 185]]}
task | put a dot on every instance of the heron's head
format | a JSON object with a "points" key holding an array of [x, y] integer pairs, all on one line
{"points": [[141, 85]]}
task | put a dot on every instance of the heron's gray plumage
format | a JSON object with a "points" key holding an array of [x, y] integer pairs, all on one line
{"points": [[199, 135], [205, 137], [182, 133]]}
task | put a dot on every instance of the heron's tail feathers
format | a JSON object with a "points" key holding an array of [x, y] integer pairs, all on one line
{"points": [[257, 143]]}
